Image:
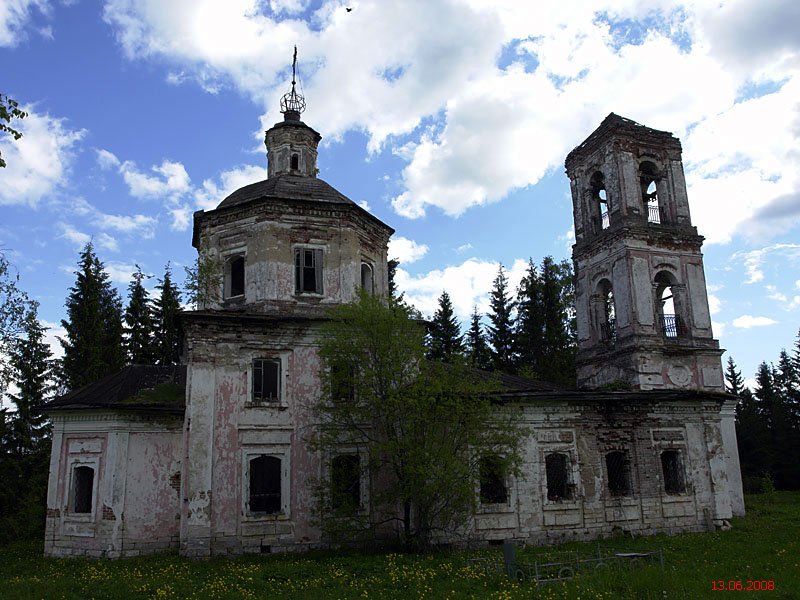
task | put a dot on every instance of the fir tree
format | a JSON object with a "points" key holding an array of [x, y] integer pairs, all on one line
{"points": [[500, 330], [446, 341], [734, 382], [558, 360], [392, 271], [528, 335], [168, 326], [139, 330], [477, 349], [24, 436], [93, 346]]}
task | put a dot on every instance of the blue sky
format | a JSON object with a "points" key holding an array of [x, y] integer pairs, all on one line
{"points": [[450, 120]]}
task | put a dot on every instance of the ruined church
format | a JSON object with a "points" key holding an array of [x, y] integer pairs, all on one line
{"points": [[210, 457]]}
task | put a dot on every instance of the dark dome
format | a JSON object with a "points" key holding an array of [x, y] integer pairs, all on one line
{"points": [[287, 187]]}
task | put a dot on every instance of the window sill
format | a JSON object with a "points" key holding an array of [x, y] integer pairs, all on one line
{"points": [[308, 295], [78, 517], [493, 509], [263, 405], [672, 498], [561, 504], [265, 517]]}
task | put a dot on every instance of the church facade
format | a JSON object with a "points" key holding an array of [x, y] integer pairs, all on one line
{"points": [[212, 457]]}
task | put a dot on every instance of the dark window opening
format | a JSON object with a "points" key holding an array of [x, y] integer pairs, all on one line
{"points": [[493, 481], [607, 314], [308, 270], [366, 278], [342, 382], [84, 486], [648, 180], [346, 482], [236, 276], [672, 469], [598, 186], [558, 483], [618, 467], [265, 485], [666, 306], [295, 162], [266, 380]]}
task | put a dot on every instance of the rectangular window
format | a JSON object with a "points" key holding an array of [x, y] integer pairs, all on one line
{"points": [[308, 270], [82, 489], [265, 485], [234, 276], [492, 481], [672, 469], [266, 380], [346, 482], [342, 381], [618, 467], [558, 483]]}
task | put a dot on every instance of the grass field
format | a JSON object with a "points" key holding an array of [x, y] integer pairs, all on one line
{"points": [[764, 546]]}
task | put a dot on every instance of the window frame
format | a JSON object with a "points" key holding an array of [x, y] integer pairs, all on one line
{"points": [[502, 478], [569, 485], [319, 270], [361, 506], [680, 471], [274, 451], [371, 268], [69, 495], [280, 398], [227, 275]]}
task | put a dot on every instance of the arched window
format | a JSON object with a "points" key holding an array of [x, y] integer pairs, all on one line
{"points": [[265, 485], [234, 276], [295, 162], [606, 314], [82, 489], [618, 468], [366, 278], [600, 198], [648, 178], [667, 306]]}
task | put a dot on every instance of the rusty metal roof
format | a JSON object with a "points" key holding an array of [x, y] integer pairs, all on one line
{"points": [[287, 186]]}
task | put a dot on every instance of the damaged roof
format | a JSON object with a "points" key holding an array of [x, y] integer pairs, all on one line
{"points": [[135, 387], [287, 186]]}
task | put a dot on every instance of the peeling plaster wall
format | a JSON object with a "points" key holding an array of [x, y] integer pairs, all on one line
{"points": [[134, 498]]}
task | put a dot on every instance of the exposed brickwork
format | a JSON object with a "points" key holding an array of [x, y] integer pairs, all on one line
{"points": [[175, 481], [53, 513], [108, 513]]}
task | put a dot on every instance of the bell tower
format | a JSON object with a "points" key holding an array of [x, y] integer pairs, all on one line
{"points": [[640, 292]]}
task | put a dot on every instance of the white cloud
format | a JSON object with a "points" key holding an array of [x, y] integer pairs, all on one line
{"points": [[15, 15], [468, 284], [405, 250], [470, 130], [141, 226], [754, 259], [464, 247], [54, 331], [78, 238], [107, 160], [40, 161], [169, 180], [180, 218], [212, 193], [748, 321], [714, 304], [107, 242], [120, 272], [718, 329]]}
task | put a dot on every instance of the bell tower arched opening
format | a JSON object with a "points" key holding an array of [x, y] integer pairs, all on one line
{"points": [[648, 179]]}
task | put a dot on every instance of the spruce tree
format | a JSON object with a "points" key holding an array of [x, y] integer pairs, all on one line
{"points": [[734, 382], [93, 346], [500, 330], [139, 328], [529, 327], [391, 267], [24, 435], [559, 348], [477, 349], [168, 326], [446, 341]]}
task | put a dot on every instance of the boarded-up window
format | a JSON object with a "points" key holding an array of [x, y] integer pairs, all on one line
{"points": [[672, 469], [308, 270], [83, 486], [265, 485], [346, 482], [492, 480], [618, 467], [266, 380], [558, 483]]}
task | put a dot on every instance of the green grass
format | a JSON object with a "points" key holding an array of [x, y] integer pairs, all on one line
{"points": [[765, 545]]}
